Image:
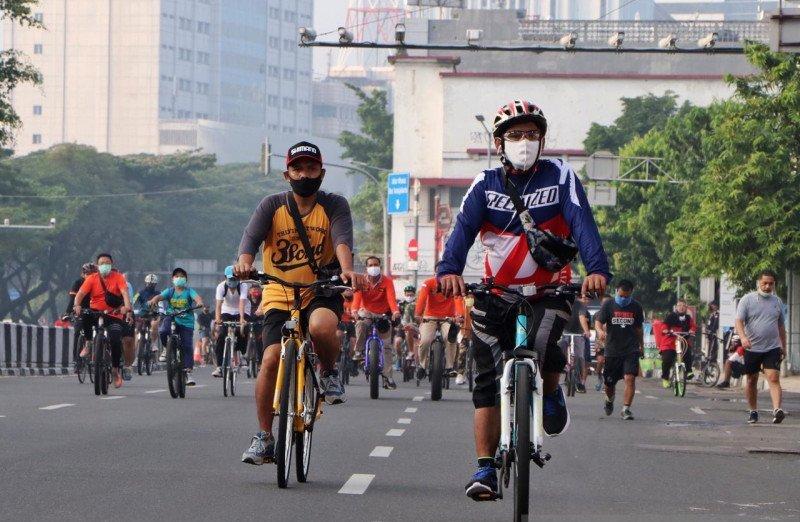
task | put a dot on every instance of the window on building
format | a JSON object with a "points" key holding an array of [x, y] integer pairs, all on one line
{"points": [[324, 111], [37, 110], [37, 48], [272, 100], [185, 54], [184, 85], [203, 88], [39, 17], [274, 42], [289, 74], [37, 139], [289, 46], [275, 72], [274, 12], [204, 58], [288, 103], [289, 16], [456, 196], [204, 27]]}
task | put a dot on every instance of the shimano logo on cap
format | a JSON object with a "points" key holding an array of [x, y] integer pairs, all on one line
{"points": [[303, 148]]}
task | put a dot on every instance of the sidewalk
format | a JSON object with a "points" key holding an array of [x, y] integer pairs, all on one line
{"points": [[791, 383]]}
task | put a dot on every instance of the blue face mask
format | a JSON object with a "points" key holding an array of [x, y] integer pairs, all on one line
{"points": [[179, 281], [622, 301]]}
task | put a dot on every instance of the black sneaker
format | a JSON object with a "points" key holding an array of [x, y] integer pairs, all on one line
{"points": [[483, 484], [778, 416], [753, 417], [421, 373], [690, 376], [580, 388], [723, 385], [388, 384], [556, 414], [608, 407]]}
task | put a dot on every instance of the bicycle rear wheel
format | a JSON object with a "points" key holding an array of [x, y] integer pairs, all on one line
{"points": [[522, 441], [283, 445], [181, 372], [172, 369], [373, 349], [569, 382], [303, 440], [680, 381], [106, 368], [140, 355], [226, 366], [98, 351], [437, 369], [148, 359], [711, 374]]}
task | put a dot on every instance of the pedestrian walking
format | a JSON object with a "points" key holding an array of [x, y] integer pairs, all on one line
{"points": [[760, 325]]}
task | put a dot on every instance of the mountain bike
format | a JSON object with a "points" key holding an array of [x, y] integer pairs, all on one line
{"points": [[176, 373], [373, 352], [707, 367], [678, 373], [298, 397], [83, 364], [230, 369], [347, 368], [254, 348], [574, 365], [521, 402], [101, 352], [144, 345], [439, 374]]}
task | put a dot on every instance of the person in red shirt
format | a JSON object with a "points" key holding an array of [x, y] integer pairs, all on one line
{"points": [[346, 326], [105, 284], [378, 299], [678, 321], [433, 305]]}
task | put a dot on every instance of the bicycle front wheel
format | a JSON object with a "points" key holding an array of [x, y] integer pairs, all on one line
{"points": [[99, 363], [437, 369], [680, 381], [470, 368], [303, 440], [373, 348], [140, 355], [522, 441], [283, 446], [711, 374], [226, 366], [172, 369]]}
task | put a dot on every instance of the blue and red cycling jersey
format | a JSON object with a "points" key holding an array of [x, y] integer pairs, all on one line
{"points": [[557, 202]]}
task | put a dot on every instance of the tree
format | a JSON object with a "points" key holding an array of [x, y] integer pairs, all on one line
{"points": [[14, 68], [747, 207], [372, 147]]}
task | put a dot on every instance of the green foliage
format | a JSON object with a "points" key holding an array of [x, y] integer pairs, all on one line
{"points": [[372, 147], [165, 207], [748, 202], [14, 68], [639, 115]]}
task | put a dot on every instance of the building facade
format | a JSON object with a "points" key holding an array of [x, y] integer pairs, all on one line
{"points": [[156, 76]]}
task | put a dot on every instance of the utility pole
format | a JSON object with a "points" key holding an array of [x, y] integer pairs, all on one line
{"points": [[482, 121], [416, 227]]}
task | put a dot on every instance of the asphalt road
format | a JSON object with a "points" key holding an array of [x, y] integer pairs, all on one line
{"points": [[140, 455]]}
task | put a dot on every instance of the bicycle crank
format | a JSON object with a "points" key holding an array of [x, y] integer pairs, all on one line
{"points": [[540, 459]]}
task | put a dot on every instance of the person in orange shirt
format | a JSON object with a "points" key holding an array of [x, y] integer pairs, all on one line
{"points": [[432, 305], [103, 286], [378, 299]]}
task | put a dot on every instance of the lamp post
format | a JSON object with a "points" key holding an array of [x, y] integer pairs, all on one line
{"points": [[382, 191], [482, 121]]}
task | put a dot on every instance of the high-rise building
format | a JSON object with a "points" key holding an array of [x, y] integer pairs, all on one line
{"points": [[128, 76]]}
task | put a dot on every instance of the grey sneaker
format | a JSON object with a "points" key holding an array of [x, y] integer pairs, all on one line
{"points": [[626, 413], [127, 373], [608, 406], [261, 450], [332, 387]]}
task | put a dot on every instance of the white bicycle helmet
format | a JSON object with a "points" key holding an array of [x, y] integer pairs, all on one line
{"points": [[151, 279]]}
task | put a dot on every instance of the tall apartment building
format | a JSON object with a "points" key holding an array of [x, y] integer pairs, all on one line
{"points": [[156, 76]]}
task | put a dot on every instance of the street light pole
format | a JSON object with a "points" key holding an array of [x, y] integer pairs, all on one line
{"points": [[384, 208], [482, 121]]}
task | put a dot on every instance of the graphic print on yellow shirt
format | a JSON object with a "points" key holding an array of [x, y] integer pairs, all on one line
{"points": [[328, 224]]}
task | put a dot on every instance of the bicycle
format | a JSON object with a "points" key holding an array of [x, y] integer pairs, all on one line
{"points": [[253, 352], [144, 345], [101, 353], [708, 370], [677, 376], [345, 364], [573, 368], [229, 372], [176, 373], [521, 401], [373, 352], [298, 397], [439, 375], [469, 363], [83, 364]]}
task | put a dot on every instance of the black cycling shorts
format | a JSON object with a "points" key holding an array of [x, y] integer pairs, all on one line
{"points": [[274, 319], [616, 368], [494, 326], [755, 361]]}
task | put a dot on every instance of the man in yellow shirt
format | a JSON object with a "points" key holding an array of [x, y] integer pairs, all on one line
{"points": [[329, 226]]}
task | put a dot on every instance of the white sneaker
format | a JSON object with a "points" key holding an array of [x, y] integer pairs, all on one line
{"points": [[189, 380], [162, 357], [460, 379], [217, 372]]}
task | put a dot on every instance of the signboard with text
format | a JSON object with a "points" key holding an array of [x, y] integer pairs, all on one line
{"points": [[397, 187]]}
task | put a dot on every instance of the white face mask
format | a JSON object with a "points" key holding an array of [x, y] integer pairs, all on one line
{"points": [[522, 154], [374, 271], [763, 293]]}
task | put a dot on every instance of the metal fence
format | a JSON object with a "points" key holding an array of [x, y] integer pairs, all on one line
{"points": [[588, 32]]}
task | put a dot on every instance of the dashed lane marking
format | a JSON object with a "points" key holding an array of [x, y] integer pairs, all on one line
{"points": [[357, 484], [698, 410], [395, 432], [112, 397], [650, 397], [637, 391], [403, 420], [417, 399], [155, 391], [410, 410], [56, 406], [381, 451]]}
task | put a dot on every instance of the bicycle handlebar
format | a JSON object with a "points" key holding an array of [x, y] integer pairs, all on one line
{"points": [[537, 290], [333, 284], [176, 313]]}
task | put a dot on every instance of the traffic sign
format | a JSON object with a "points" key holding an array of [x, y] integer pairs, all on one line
{"points": [[397, 192], [413, 249]]}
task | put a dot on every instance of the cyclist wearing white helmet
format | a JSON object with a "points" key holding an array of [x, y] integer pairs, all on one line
{"points": [[140, 301], [533, 217], [86, 269]]}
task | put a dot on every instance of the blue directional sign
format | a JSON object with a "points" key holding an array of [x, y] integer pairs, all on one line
{"points": [[397, 192]]}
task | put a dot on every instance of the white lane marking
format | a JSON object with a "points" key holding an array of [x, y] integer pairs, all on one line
{"points": [[201, 385], [155, 391], [2, 416], [357, 484], [403, 420], [698, 410], [417, 399], [637, 391], [410, 410], [381, 451], [394, 432], [56, 406], [649, 397], [112, 397], [427, 393]]}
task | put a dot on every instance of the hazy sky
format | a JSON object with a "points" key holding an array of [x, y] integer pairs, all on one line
{"points": [[328, 15]]}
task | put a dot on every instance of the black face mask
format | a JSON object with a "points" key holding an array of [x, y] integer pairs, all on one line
{"points": [[305, 187]]}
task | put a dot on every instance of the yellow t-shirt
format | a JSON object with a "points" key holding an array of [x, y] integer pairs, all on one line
{"points": [[328, 225]]}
